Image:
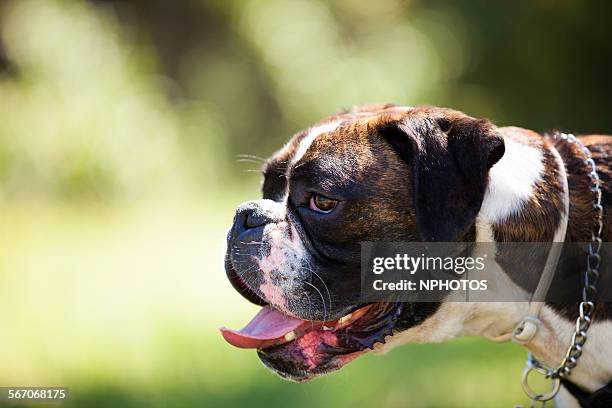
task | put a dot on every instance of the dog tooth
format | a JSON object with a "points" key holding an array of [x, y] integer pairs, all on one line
{"points": [[290, 336], [345, 318]]}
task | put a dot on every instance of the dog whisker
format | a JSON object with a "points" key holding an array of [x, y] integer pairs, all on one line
{"points": [[251, 157], [247, 161], [310, 313], [324, 284], [322, 299]]}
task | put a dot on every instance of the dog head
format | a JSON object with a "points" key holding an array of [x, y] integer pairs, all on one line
{"points": [[376, 173]]}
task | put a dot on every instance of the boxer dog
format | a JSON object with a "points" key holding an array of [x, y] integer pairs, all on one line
{"points": [[392, 173]]}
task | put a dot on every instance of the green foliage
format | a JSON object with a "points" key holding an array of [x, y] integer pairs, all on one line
{"points": [[84, 115]]}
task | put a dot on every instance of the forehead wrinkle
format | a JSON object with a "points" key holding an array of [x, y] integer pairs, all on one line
{"points": [[329, 175], [304, 144], [340, 157], [301, 144], [345, 136]]}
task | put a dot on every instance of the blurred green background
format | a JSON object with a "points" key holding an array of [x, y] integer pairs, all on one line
{"points": [[120, 126]]}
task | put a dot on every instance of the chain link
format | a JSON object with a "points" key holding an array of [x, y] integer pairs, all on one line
{"points": [[591, 274], [589, 290]]}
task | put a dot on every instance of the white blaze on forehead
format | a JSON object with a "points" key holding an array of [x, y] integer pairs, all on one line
{"points": [[511, 181], [310, 137]]}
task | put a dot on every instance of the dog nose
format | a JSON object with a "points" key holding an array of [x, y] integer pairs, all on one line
{"points": [[248, 222], [249, 218], [252, 216], [254, 219]]}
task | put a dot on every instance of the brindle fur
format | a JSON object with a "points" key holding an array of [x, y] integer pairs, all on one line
{"points": [[404, 174], [348, 155]]}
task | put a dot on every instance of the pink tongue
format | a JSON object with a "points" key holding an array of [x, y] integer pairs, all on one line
{"points": [[267, 328]]}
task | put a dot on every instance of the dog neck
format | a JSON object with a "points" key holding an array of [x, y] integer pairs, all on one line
{"points": [[529, 183], [523, 203]]}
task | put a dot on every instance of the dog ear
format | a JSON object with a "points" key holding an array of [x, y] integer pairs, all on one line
{"points": [[450, 157]]}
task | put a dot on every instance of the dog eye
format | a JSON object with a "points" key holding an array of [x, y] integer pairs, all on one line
{"points": [[322, 204]]}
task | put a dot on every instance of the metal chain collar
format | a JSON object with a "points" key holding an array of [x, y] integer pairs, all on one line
{"points": [[587, 305]]}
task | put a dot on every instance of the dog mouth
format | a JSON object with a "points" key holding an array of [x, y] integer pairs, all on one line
{"points": [[302, 349], [299, 349]]}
